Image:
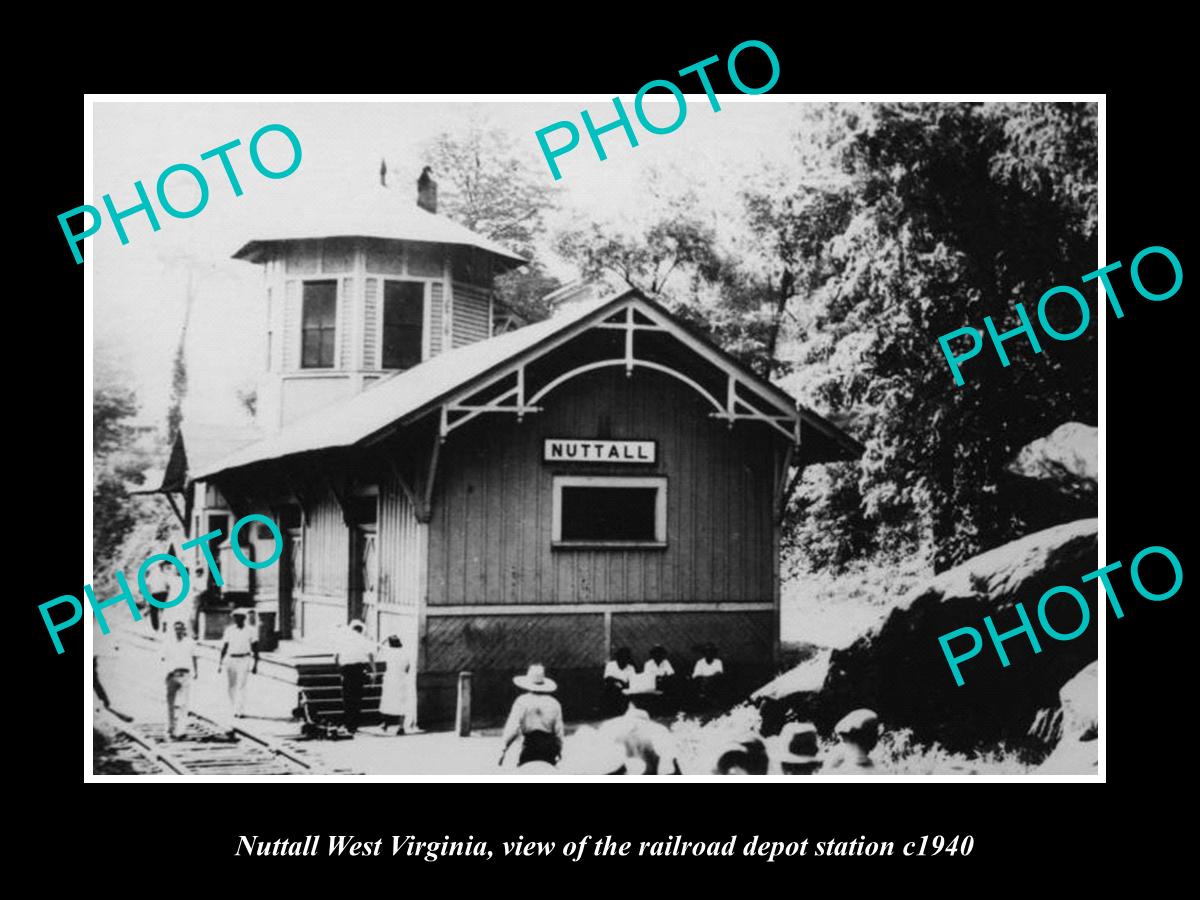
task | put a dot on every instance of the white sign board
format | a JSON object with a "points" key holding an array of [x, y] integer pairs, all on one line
{"points": [[576, 450]]}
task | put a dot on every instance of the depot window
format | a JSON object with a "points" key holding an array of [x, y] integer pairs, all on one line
{"points": [[319, 324], [597, 511], [403, 323]]}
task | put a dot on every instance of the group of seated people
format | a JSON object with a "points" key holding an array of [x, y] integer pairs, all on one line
{"points": [[658, 682]]}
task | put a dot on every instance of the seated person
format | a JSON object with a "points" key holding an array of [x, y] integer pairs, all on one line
{"points": [[659, 666], [707, 675], [617, 675]]}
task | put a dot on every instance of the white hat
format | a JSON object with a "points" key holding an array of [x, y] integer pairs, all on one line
{"points": [[535, 680]]}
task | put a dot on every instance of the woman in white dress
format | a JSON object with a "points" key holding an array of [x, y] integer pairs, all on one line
{"points": [[394, 702]]}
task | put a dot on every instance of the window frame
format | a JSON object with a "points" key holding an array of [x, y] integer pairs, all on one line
{"points": [[337, 323], [382, 310], [611, 481]]}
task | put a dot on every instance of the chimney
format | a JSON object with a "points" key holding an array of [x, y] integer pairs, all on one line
{"points": [[427, 190]]}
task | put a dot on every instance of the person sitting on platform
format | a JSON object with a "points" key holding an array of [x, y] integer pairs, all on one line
{"points": [[707, 677], [536, 717], [617, 676], [660, 667]]}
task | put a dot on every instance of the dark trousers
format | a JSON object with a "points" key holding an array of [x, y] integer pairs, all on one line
{"points": [[161, 597], [353, 678], [539, 746]]}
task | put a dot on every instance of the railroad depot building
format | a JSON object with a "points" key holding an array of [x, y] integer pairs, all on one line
{"points": [[602, 478]]}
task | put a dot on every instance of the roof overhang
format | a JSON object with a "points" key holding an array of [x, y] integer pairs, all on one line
{"points": [[493, 377]]}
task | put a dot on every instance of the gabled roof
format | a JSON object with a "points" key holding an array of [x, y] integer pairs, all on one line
{"points": [[377, 213], [413, 393]]}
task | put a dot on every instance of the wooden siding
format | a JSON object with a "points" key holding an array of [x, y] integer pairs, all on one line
{"points": [[401, 548], [371, 324], [472, 314], [510, 643], [291, 325], [326, 548], [436, 318], [741, 637], [490, 534]]}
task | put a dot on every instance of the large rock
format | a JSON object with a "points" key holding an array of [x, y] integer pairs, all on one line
{"points": [[899, 670], [1067, 458], [1077, 752]]}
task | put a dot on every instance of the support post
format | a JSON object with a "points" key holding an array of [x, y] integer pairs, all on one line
{"points": [[462, 718]]}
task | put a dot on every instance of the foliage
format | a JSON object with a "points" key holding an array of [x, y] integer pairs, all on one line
{"points": [[484, 184], [897, 223], [117, 462], [959, 211]]}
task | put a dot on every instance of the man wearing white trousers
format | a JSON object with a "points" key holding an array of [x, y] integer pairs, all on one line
{"points": [[179, 661], [240, 645]]}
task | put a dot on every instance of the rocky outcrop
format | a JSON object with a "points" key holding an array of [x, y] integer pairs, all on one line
{"points": [[1077, 751], [899, 670], [1067, 456], [1053, 479]]}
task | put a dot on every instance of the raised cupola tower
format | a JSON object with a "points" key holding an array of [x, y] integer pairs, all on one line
{"points": [[361, 290]]}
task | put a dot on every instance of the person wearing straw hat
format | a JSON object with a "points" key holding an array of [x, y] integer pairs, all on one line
{"points": [[794, 750], [536, 717]]}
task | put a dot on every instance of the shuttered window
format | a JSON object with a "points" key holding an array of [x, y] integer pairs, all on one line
{"points": [[319, 324]]}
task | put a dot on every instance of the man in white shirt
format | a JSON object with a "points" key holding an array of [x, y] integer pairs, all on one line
{"points": [[240, 644], [659, 666], [707, 676], [179, 661], [617, 674], [354, 656]]}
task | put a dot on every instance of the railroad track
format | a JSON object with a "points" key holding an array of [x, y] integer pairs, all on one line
{"points": [[209, 749]]}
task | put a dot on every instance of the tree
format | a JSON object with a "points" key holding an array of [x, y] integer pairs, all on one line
{"points": [[117, 462], [951, 217], [485, 185]]}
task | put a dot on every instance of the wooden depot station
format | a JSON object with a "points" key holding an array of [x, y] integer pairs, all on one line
{"points": [[603, 478]]}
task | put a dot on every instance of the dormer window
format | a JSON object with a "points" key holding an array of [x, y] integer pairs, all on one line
{"points": [[319, 325], [403, 323]]}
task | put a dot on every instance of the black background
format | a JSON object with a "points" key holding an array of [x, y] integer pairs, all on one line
{"points": [[131, 830]]}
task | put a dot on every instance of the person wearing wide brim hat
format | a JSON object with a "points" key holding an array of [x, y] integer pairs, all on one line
{"points": [[794, 749], [536, 717], [858, 733]]}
